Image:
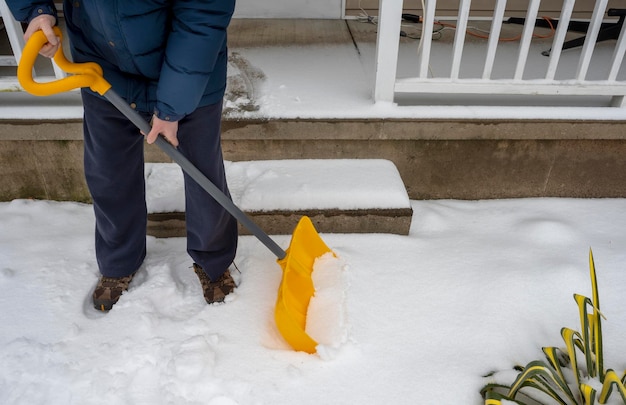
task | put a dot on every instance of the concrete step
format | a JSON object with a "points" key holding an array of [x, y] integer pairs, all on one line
{"points": [[339, 195]]}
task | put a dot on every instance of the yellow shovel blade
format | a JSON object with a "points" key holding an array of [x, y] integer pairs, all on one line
{"points": [[296, 287]]}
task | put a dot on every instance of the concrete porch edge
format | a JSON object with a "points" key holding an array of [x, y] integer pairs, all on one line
{"points": [[393, 221]]}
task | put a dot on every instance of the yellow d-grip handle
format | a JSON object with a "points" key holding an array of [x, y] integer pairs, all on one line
{"points": [[87, 74]]}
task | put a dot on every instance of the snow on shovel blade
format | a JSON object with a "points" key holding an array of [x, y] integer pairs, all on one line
{"points": [[296, 287]]}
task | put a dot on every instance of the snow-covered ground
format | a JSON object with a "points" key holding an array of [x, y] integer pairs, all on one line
{"points": [[477, 286]]}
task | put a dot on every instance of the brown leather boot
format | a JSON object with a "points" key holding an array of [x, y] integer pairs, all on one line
{"points": [[109, 290], [215, 291]]}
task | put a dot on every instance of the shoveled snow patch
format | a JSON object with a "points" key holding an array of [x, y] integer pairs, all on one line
{"points": [[326, 315]]}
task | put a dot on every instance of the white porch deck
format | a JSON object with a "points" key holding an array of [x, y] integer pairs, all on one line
{"points": [[324, 69]]}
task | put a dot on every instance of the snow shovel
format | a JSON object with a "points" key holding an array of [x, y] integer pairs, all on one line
{"points": [[296, 287]]}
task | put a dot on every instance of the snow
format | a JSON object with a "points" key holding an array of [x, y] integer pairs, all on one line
{"points": [[326, 317], [275, 185], [476, 287]]}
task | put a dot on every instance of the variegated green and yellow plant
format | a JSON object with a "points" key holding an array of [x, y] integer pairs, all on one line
{"points": [[564, 378]]}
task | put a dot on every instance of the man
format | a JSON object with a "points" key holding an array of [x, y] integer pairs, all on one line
{"points": [[167, 59]]}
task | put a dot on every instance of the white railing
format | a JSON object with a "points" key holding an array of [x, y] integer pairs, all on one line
{"points": [[387, 85], [15, 34]]}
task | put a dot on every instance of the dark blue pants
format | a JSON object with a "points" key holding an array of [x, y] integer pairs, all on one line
{"points": [[114, 170]]}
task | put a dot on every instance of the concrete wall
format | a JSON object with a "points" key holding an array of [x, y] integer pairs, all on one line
{"points": [[456, 159], [436, 159]]}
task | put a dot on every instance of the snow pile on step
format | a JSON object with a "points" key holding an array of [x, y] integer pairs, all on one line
{"points": [[275, 185], [165, 191]]}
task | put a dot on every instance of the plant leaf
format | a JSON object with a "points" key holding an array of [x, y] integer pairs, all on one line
{"points": [[611, 378], [586, 332], [588, 393], [597, 323], [539, 376], [552, 354], [492, 395], [572, 340], [594, 282]]}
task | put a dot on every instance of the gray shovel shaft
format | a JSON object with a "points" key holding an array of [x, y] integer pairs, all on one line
{"points": [[196, 174]]}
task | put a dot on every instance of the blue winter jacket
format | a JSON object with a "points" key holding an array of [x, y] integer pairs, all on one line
{"points": [[166, 56]]}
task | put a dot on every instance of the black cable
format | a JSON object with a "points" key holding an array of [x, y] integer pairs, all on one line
{"points": [[412, 18]]}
